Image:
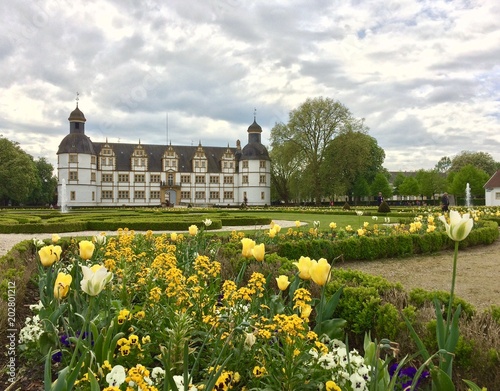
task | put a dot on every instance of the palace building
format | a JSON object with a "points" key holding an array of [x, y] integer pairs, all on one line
{"points": [[116, 174]]}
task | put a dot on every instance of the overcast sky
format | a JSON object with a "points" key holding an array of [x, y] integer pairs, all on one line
{"points": [[425, 75]]}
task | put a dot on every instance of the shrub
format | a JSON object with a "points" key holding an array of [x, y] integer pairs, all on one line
{"points": [[384, 208]]}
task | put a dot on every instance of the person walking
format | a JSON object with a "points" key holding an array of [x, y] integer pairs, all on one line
{"points": [[445, 202], [380, 198]]}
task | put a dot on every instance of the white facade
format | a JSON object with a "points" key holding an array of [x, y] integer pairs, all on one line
{"points": [[113, 174], [492, 190]]}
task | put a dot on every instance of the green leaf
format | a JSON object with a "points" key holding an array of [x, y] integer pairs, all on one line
{"points": [[47, 341], [333, 328], [441, 327], [94, 385], [332, 304], [473, 386], [441, 381]]}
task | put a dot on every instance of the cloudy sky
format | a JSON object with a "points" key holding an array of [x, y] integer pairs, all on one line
{"points": [[425, 75]]}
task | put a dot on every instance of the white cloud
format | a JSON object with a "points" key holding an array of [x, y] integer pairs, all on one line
{"points": [[423, 74]]}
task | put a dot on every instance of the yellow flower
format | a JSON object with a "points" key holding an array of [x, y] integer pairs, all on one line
{"points": [[305, 311], [173, 237], [258, 252], [193, 230], [361, 232], [277, 228], [330, 385], [333, 225], [61, 286], [320, 271], [248, 245], [459, 227], [272, 233], [282, 282], [55, 238], [304, 264], [297, 223], [94, 279], [86, 249], [49, 254], [259, 371]]}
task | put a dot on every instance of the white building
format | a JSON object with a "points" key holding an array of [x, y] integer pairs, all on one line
{"points": [[492, 190], [115, 174]]}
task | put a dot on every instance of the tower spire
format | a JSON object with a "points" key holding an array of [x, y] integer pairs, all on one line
{"points": [[254, 114], [77, 98]]}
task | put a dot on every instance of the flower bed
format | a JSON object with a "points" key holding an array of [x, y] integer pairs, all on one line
{"points": [[168, 312]]}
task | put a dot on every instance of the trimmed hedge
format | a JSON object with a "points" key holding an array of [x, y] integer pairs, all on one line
{"points": [[377, 247]]}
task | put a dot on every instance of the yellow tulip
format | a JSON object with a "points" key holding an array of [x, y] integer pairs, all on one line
{"points": [[49, 254], [333, 225], [272, 233], [173, 237], [248, 245], [259, 251], [86, 249], [277, 228], [193, 230], [55, 238], [320, 271], [304, 264], [305, 311], [297, 223], [282, 282], [61, 286]]}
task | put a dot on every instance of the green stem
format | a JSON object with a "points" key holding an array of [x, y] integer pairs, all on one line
{"points": [[452, 292]]}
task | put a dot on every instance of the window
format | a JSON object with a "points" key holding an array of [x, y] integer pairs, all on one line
{"points": [[93, 159], [200, 179], [185, 179], [245, 164], [123, 194], [262, 179], [231, 165], [72, 195], [214, 179], [225, 164], [262, 195], [228, 179], [155, 194], [155, 178], [196, 164], [262, 164], [139, 194], [107, 177], [139, 178], [73, 175], [73, 158], [245, 179], [199, 195], [203, 163], [92, 176], [123, 178], [107, 194], [214, 195], [93, 196], [497, 195], [170, 180], [228, 195], [185, 194]]}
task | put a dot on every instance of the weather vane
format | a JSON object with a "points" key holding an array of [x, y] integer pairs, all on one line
{"points": [[254, 113], [77, 98]]}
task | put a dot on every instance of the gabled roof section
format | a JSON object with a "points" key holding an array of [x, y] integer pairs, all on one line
{"points": [[494, 181], [154, 153]]}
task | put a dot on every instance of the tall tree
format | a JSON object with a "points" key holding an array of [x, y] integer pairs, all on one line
{"points": [[430, 182], [310, 128], [17, 173], [44, 191], [443, 165], [285, 166], [381, 184], [476, 178], [409, 187], [481, 160], [350, 156], [398, 180]]}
